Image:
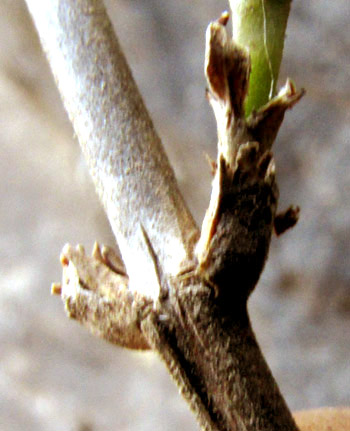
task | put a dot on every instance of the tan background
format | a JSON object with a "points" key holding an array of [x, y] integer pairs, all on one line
{"points": [[53, 374]]}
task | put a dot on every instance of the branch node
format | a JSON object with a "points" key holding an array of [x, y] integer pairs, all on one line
{"points": [[237, 227], [97, 295]]}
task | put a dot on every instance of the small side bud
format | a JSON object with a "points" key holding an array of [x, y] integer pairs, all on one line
{"points": [[286, 219], [56, 289]]}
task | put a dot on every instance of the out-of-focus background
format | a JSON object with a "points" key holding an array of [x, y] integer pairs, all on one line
{"points": [[54, 376]]}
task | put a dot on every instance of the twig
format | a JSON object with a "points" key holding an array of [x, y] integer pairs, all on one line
{"points": [[195, 313], [125, 156]]}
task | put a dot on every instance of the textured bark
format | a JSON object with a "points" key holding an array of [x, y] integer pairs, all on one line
{"points": [[211, 352], [130, 169], [188, 305]]}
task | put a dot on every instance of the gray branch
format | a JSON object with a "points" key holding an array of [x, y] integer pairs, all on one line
{"points": [[130, 169], [199, 323]]}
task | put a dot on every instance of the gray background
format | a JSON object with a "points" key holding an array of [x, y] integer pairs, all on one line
{"points": [[53, 374]]}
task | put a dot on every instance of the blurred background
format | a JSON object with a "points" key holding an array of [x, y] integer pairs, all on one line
{"points": [[54, 375]]}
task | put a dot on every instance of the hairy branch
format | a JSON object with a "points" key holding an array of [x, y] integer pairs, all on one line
{"points": [[194, 308], [130, 169]]}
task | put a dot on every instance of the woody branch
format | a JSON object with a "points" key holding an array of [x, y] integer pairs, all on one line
{"points": [[190, 307]]}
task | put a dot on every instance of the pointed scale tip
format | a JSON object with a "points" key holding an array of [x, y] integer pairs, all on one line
{"points": [[56, 289], [223, 20]]}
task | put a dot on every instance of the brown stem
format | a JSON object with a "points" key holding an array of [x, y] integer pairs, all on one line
{"points": [[197, 320], [211, 352]]}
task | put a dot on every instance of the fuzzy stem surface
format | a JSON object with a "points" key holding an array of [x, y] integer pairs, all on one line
{"points": [[125, 156]]}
